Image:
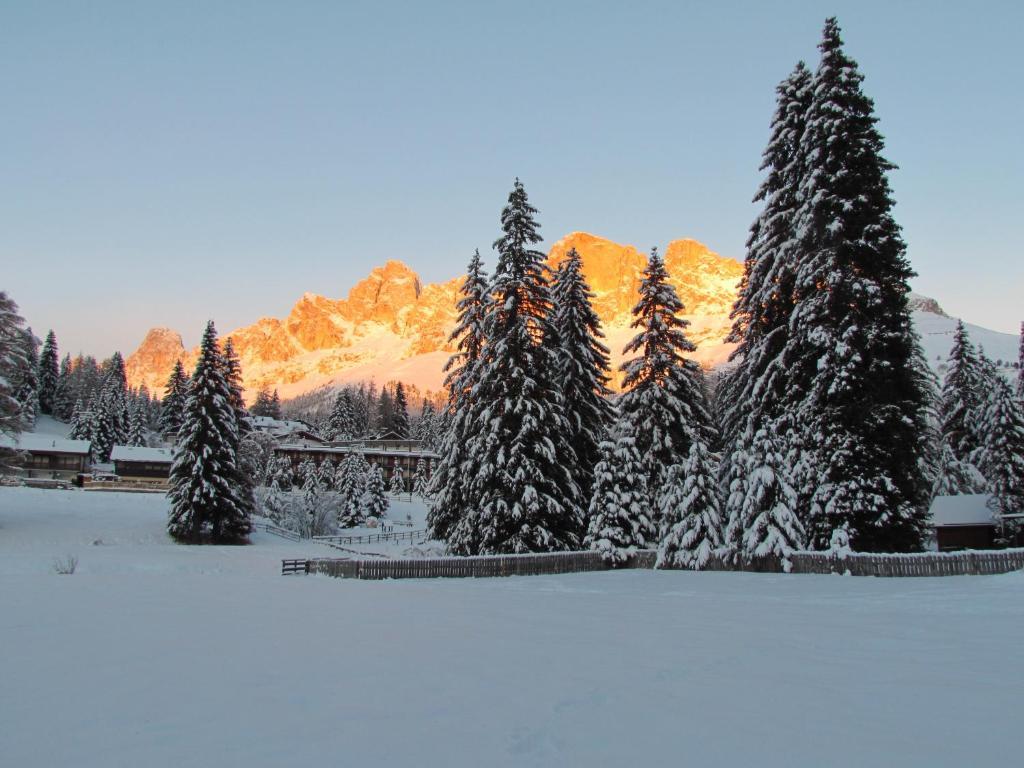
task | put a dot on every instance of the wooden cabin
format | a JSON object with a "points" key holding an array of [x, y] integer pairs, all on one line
{"points": [[47, 456], [138, 464]]}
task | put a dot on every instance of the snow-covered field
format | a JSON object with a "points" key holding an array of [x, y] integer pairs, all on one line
{"points": [[156, 654]]}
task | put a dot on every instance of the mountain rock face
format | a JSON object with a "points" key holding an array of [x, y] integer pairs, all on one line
{"points": [[391, 326]]}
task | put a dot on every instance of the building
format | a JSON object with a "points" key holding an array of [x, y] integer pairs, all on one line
{"points": [[387, 454], [151, 466], [284, 431], [963, 522], [48, 457]]}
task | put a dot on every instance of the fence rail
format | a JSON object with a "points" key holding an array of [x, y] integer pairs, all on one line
{"points": [[277, 530], [373, 538], [939, 564]]}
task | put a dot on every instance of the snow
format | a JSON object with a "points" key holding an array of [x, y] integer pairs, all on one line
{"points": [[32, 441], [159, 654], [966, 509], [140, 453]]}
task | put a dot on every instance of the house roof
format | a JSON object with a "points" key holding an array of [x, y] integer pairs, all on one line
{"points": [[35, 443], [966, 509], [140, 453]]}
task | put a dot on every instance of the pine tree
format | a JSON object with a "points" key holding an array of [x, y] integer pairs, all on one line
{"points": [[63, 403], [374, 500], [341, 423], [325, 474], [400, 416], [691, 512], [233, 377], [350, 480], [962, 396], [26, 378], [205, 496], [136, 424], [765, 298], [620, 522], [663, 406], [955, 477], [172, 413], [262, 405], [49, 375], [420, 481], [1004, 467], [850, 381], [1020, 366], [397, 481], [107, 427], [449, 484], [275, 406], [13, 359], [769, 521], [583, 365], [522, 496]]}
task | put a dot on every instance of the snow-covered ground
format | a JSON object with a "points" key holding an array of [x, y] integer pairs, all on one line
{"points": [[157, 654]]}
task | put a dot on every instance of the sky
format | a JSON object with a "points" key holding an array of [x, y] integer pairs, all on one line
{"points": [[166, 163]]}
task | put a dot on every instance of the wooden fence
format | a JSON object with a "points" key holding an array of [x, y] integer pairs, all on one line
{"points": [[277, 530], [925, 564], [374, 538]]}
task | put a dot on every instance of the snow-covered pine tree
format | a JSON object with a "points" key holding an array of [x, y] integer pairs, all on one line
{"points": [[233, 377], [13, 359], [79, 423], [449, 483], [342, 420], [1020, 366], [172, 413], [26, 378], [107, 428], [583, 366], [690, 512], [205, 498], [420, 480], [136, 423], [1004, 456], [850, 381], [49, 374], [349, 481], [400, 415], [955, 477], [307, 468], [768, 516], [522, 495], [325, 474], [276, 502], [962, 400], [425, 429], [663, 406], [397, 481], [63, 402], [619, 514], [261, 404], [374, 500], [765, 298]]}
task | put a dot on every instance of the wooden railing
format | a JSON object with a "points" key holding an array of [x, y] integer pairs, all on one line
{"points": [[857, 564], [373, 538], [276, 530]]}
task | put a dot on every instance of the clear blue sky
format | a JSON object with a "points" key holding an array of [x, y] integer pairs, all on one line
{"points": [[168, 162]]}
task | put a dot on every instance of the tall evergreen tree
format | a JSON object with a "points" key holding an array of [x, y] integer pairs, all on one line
{"points": [[341, 423], [583, 365], [522, 496], [233, 377], [397, 481], [962, 396], [26, 377], [206, 499], [175, 394], [400, 419], [63, 401], [663, 406], [275, 406], [1004, 455], [49, 374], [849, 359], [375, 500], [765, 298], [450, 481], [619, 513], [13, 359]]}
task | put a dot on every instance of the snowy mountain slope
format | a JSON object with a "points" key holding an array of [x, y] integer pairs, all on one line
{"points": [[391, 326]]}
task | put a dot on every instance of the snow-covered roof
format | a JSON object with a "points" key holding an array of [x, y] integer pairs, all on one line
{"points": [[35, 443], [967, 509], [139, 453]]}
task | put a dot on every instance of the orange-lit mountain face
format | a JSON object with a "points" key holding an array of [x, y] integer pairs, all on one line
{"points": [[392, 327]]}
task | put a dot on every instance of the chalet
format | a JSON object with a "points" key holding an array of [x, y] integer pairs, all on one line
{"points": [[47, 456], [285, 431], [151, 466], [963, 522]]}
